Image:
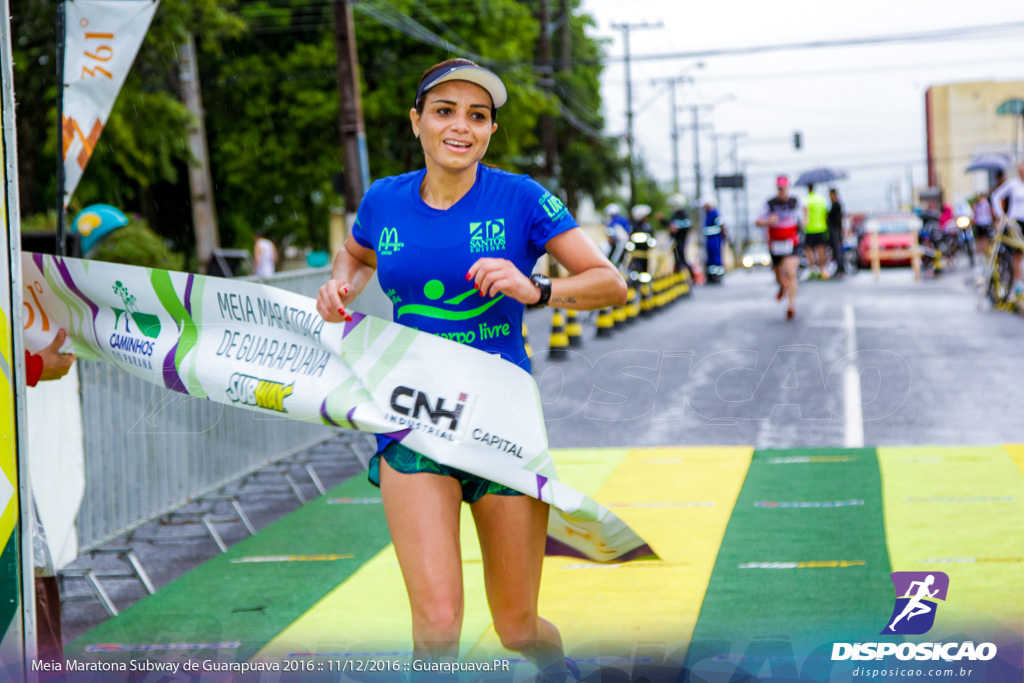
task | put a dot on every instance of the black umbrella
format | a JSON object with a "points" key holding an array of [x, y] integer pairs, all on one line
{"points": [[988, 162], [818, 176]]}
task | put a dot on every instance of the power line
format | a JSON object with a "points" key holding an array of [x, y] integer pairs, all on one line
{"points": [[831, 73], [968, 33]]}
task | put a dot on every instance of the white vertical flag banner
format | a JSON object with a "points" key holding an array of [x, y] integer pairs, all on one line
{"points": [[102, 39]]}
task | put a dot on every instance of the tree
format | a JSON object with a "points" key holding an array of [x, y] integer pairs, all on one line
{"points": [[270, 93]]}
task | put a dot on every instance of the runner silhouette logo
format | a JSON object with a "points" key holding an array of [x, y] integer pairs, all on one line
{"points": [[916, 596]]}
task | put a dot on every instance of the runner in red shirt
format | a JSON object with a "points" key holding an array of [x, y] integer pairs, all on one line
{"points": [[781, 217]]}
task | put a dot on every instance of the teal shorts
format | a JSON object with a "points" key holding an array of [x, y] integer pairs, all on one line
{"points": [[406, 461]]}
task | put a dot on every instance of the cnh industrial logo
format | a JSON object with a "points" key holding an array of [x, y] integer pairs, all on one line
{"points": [[913, 614]]}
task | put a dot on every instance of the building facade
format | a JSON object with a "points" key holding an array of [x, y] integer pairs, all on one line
{"points": [[963, 125]]}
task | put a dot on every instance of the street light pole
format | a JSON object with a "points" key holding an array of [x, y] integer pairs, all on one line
{"points": [[672, 83], [696, 149], [626, 28], [696, 109]]}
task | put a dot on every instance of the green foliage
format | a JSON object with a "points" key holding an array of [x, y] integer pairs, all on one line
{"points": [[40, 222], [648, 191], [137, 245], [270, 94]]}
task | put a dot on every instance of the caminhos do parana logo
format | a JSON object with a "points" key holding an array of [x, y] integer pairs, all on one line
{"points": [[389, 244], [125, 345], [487, 236], [262, 393], [147, 323]]}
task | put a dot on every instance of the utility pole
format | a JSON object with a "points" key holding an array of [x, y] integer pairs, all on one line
{"points": [[549, 139], [626, 28], [736, 196], [350, 111], [696, 109], [672, 83], [200, 182], [715, 167]]}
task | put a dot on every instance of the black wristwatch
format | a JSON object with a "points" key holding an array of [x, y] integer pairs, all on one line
{"points": [[543, 283]]}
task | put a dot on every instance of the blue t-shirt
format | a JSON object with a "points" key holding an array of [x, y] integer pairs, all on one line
{"points": [[423, 254]]}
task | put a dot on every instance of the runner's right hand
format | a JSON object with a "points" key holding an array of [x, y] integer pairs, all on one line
{"points": [[332, 300]]}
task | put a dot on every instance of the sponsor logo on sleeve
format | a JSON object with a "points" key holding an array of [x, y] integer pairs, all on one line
{"points": [[553, 206]]}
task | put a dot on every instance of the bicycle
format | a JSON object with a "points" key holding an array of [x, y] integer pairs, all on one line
{"points": [[998, 280]]}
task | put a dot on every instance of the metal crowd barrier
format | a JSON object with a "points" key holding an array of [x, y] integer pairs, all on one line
{"points": [[149, 451]]}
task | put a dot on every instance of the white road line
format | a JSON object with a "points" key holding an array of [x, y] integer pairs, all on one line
{"points": [[853, 436]]}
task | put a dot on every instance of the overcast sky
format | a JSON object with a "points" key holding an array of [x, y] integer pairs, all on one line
{"points": [[859, 108]]}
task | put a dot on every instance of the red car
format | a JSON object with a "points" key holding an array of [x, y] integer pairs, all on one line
{"points": [[895, 232]]}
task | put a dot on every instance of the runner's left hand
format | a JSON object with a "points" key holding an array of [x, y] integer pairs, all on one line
{"points": [[494, 276]]}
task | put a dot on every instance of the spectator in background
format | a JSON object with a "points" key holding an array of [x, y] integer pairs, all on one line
{"points": [[1013, 191], [617, 228], [48, 364], [641, 238], [982, 223], [264, 256], [1000, 179], [679, 227], [835, 231], [816, 234], [714, 240]]}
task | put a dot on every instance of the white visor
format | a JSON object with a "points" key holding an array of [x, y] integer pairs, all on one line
{"points": [[486, 79]]}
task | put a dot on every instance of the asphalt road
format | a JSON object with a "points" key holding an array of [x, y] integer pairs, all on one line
{"points": [[725, 367]]}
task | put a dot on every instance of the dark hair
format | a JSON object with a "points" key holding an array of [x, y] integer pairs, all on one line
{"points": [[447, 64]]}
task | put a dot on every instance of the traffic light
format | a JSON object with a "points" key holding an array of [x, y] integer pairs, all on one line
{"points": [[796, 140]]}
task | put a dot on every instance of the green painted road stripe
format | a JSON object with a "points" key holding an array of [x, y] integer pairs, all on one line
{"points": [[376, 593], [803, 562], [251, 602]]}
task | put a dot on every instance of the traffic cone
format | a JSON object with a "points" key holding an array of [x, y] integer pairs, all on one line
{"points": [[685, 288], [558, 345], [573, 329], [632, 308], [526, 341], [606, 322], [646, 302]]}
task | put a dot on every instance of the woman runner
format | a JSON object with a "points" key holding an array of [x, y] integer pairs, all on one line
{"points": [[454, 245]]}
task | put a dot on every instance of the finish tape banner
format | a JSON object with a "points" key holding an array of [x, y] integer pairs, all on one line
{"points": [[268, 350]]}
